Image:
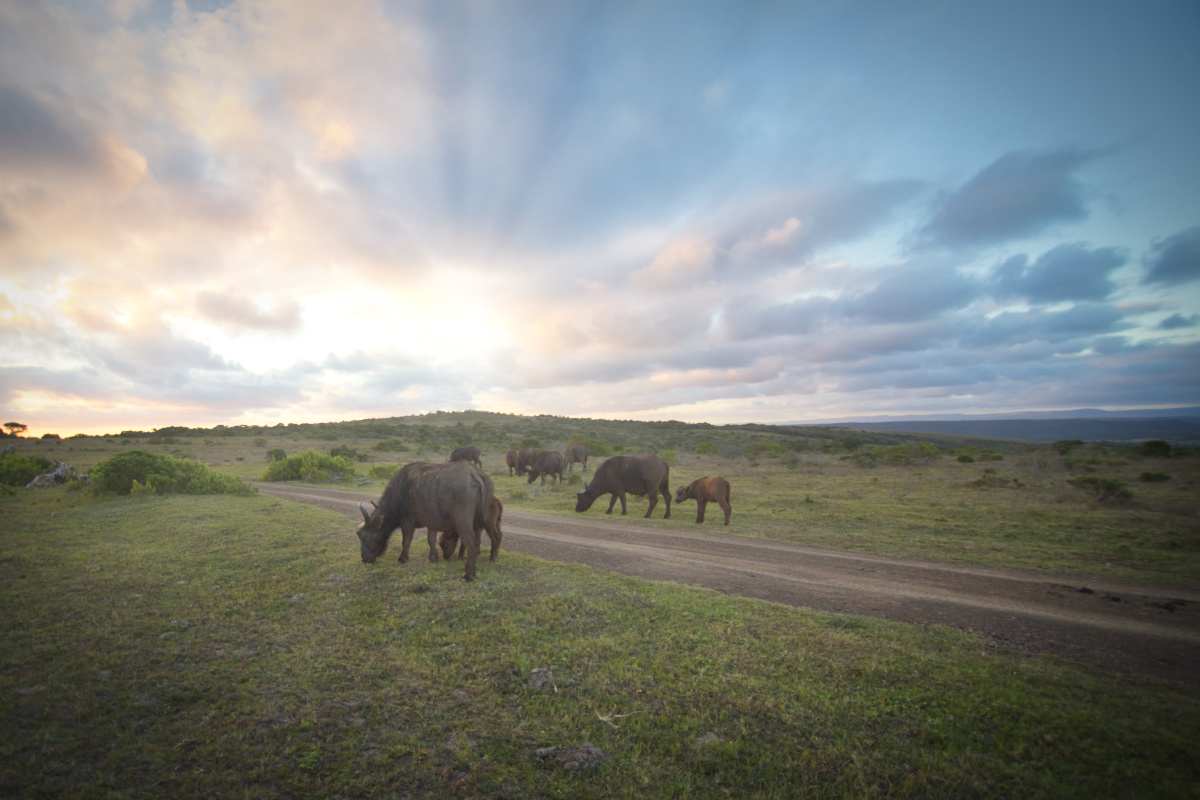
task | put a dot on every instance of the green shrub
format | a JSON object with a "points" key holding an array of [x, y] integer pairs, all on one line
{"points": [[51, 436], [162, 474], [529, 441], [383, 472], [574, 479], [1103, 490], [391, 446], [276, 454], [309, 466], [965, 459], [706, 449], [990, 455], [1154, 477], [596, 447], [260, 441], [1066, 446], [344, 451], [669, 456], [1155, 448], [18, 470]]}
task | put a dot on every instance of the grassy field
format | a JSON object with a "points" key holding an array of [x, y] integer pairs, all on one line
{"points": [[237, 647], [943, 510]]}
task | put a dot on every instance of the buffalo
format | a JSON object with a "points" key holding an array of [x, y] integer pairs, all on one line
{"points": [[438, 497], [645, 474], [577, 454], [448, 540], [526, 456], [703, 490], [510, 461], [467, 454], [549, 462]]}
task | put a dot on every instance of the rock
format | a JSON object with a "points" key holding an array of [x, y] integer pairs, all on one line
{"points": [[55, 477]]}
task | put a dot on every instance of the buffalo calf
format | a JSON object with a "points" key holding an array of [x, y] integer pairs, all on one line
{"points": [[703, 490]]}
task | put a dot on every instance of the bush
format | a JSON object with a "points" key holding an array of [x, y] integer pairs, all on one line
{"points": [[1155, 448], [259, 441], [1154, 477], [1103, 490], [344, 451], [391, 446], [163, 475], [706, 449], [669, 456], [51, 436], [276, 454], [18, 470], [309, 466], [383, 472], [966, 459], [1066, 446]]}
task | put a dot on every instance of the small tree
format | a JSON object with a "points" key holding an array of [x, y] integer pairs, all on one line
{"points": [[15, 428]]}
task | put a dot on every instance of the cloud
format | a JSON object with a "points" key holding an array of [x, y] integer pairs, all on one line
{"points": [[1174, 260], [1177, 321], [912, 293], [1019, 194], [1066, 272], [32, 134], [238, 312]]}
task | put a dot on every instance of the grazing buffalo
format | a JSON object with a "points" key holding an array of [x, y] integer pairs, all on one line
{"points": [[577, 454], [646, 474], [549, 462], [703, 490], [467, 454], [438, 497], [510, 460], [526, 456], [448, 540]]}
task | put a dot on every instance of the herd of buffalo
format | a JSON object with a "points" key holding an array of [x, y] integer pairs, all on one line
{"points": [[456, 501]]}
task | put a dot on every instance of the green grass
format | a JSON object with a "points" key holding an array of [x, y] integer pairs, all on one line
{"points": [[943, 511], [237, 647]]}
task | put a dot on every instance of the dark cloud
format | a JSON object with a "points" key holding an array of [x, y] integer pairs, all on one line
{"points": [[1177, 321], [238, 312], [1067, 330], [1067, 272], [32, 133], [912, 293], [1174, 260], [1018, 195]]}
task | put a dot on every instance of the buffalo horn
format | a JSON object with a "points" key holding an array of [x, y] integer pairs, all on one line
{"points": [[363, 509]]}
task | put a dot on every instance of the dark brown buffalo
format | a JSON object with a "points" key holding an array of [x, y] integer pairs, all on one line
{"points": [[510, 460], [526, 457], [448, 540], [549, 462], [437, 497], [619, 475], [467, 454], [577, 454], [703, 490]]}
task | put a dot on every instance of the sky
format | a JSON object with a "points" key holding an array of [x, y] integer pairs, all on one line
{"points": [[264, 211]]}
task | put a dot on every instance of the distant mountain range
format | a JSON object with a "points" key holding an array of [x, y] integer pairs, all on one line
{"points": [[1180, 426]]}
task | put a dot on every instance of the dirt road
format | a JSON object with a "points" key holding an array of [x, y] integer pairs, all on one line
{"points": [[1128, 628]]}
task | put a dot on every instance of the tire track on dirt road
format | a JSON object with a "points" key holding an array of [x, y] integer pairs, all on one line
{"points": [[1131, 628]]}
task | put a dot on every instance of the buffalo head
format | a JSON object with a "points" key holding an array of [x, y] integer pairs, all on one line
{"points": [[371, 539], [584, 500]]}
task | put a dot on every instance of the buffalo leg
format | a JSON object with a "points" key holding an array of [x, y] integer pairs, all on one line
{"points": [[406, 537], [464, 523], [666, 493], [701, 504], [433, 550], [613, 501], [653, 503], [727, 508]]}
